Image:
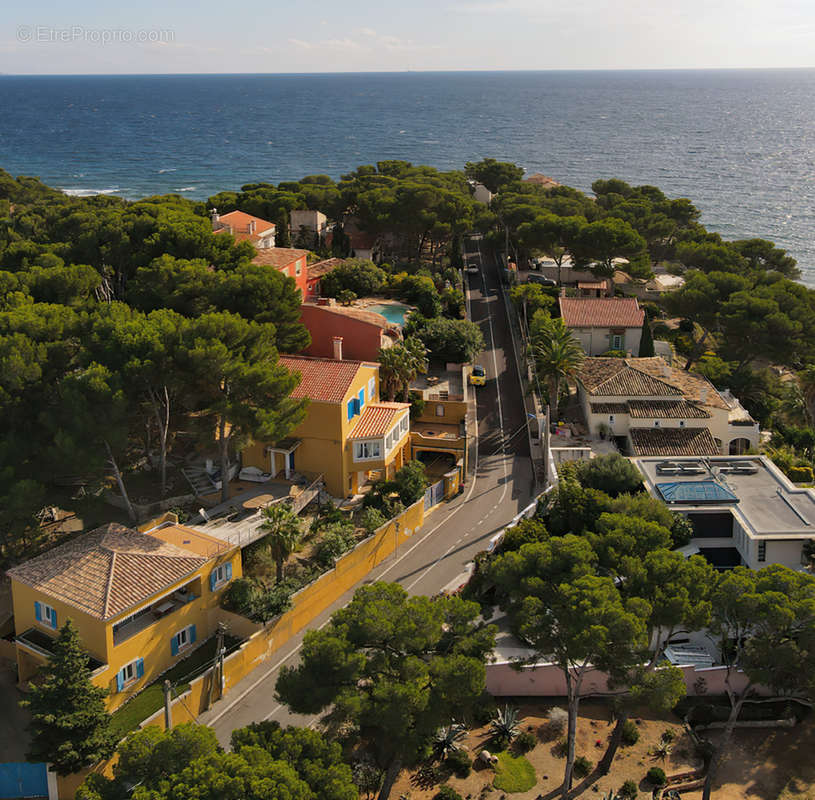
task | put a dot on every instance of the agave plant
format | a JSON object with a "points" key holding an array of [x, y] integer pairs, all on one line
{"points": [[448, 738], [505, 724], [662, 750]]}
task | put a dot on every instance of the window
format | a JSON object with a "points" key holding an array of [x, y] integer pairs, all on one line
{"points": [[616, 342], [681, 423], [184, 638], [762, 551], [371, 389], [360, 400], [129, 673], [298, 267], [220, 575], [439, 410], [388, 442], [45, 614], [611, 419], [403, 425], [366, 450], [656, 423]]}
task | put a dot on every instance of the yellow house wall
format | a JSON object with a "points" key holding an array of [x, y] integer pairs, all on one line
{"points": [[324, 438], [307, 604]]}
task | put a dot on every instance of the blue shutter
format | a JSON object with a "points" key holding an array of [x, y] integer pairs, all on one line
{"points": [[361, 397], [350, 410], [140, 668], [120, 680], [37, 611], [174, 646], [192, 634], [54, 618], [229, 571], [212, 580]]}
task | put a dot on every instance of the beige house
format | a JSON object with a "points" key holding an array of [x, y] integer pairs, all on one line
{"points": [[658, 410], [601, 324]]}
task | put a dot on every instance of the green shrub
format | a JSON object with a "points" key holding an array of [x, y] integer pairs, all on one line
{"points": [[459, 763], [371, 519], [484, 709], [610, 473], [628, 791], [447, 793], [525, 741], [334, 542], [582, 767], [561, 748], [239, 595], [631, 734], [800, 474], [656, 776]]}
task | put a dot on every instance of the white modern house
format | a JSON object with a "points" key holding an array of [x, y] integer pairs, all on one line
{"points": [[653, 409], [744, 510], [601, 324]]}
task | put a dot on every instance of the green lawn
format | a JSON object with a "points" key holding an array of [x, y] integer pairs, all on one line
{"points": [[151, 699], [514, 773]]}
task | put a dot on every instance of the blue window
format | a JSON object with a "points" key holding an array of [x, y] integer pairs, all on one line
{"points": [[129, 673], [361, 399], [220, 575], [45, 614], [184, 638]]}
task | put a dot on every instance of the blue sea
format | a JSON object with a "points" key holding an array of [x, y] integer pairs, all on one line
{"points": [[739, 143]]}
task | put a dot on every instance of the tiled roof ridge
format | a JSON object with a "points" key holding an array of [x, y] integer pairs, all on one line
{"points": [[661, 380], [299, 357], [108, 587]]}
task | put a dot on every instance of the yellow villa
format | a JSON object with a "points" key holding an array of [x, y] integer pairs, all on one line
{"points": [[141, 601], [348, 435]]}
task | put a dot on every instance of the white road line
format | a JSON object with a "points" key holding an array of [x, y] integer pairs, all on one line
{"points": [[297, 649]]}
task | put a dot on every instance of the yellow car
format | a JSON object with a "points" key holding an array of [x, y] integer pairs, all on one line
{"points": [[478, 377]]}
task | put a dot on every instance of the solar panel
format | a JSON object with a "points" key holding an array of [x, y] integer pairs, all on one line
{"points": [[695, 492]]}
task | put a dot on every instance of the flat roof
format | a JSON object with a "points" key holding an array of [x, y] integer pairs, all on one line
{"points": [[766, 502]]}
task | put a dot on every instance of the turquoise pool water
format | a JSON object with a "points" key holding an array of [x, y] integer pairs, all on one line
{"points": [[393, 312]]}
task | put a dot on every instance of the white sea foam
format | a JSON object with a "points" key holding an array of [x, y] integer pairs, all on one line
{"points": [[187, 189], [91, 192], [168, 169]]}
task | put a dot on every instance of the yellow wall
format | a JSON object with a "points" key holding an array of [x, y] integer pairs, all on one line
{"points": [[324, 438], [152, 644], [262, 643]]}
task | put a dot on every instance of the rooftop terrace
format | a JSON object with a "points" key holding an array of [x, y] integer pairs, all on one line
{"points": [[752, 487]]}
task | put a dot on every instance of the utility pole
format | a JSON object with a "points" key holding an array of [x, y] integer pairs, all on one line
{"points": [[168, 714], [219, 646]]}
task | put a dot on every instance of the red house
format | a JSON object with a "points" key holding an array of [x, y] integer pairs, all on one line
{"points": [[291, 262], [346, 332]]}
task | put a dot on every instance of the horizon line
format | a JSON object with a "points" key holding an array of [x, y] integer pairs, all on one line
{"points": [[397, 72]]}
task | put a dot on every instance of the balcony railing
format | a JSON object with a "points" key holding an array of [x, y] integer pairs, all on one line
{"points": [[123, 631]]}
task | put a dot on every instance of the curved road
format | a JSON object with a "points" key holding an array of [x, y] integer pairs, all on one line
{"points": [[500, 487]]}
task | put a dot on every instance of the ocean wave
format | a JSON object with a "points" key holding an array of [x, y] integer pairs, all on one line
{"points": [[91, 192], [167, 169], [187, 189]]}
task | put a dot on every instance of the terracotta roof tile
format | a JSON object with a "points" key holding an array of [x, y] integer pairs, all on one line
{"points": [[694, 387], [321, 268], [377, 419], [278, 257], [321, 379], [665, 409], [237, 223], [609, 408], [601, 312], [673, 442], [356, 313], [614, 377], [108, 570], [541, 180]]}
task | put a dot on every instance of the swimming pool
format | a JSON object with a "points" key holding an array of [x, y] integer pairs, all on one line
{"points": [[394, 313]]}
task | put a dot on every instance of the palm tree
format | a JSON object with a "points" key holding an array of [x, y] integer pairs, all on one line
{"points": [[558, 356], [400, 364], [282, 528]]}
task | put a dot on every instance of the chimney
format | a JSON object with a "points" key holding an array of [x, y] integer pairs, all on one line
{"points": [[338, 348], [215, 217], [251, 226]]}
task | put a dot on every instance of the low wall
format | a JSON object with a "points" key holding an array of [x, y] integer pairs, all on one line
{"points": [[504, 679], [143, 512], [262, 642]]}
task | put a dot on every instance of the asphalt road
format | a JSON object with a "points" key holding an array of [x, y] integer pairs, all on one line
{"points": [[499, 486]]}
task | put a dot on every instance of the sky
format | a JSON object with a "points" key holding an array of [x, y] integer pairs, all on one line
{"points": [[250, 36]]}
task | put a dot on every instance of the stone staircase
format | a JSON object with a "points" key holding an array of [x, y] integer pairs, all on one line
{"points": [[199, 480]]}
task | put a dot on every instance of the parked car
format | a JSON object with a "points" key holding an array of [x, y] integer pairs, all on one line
{"points": [[473, 269], [478, 376], [542, 280]]}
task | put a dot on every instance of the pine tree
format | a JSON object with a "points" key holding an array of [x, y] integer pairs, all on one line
{"points": [[70, 727], [282, 236], [646, 340]]}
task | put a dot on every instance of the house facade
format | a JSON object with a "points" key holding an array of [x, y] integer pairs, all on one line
{"points": [[658, 410], [307, 227], [244, 228], [288, 261], [316, 272], [362, 333], [348, 434], [602, 324], [141, 601]]}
